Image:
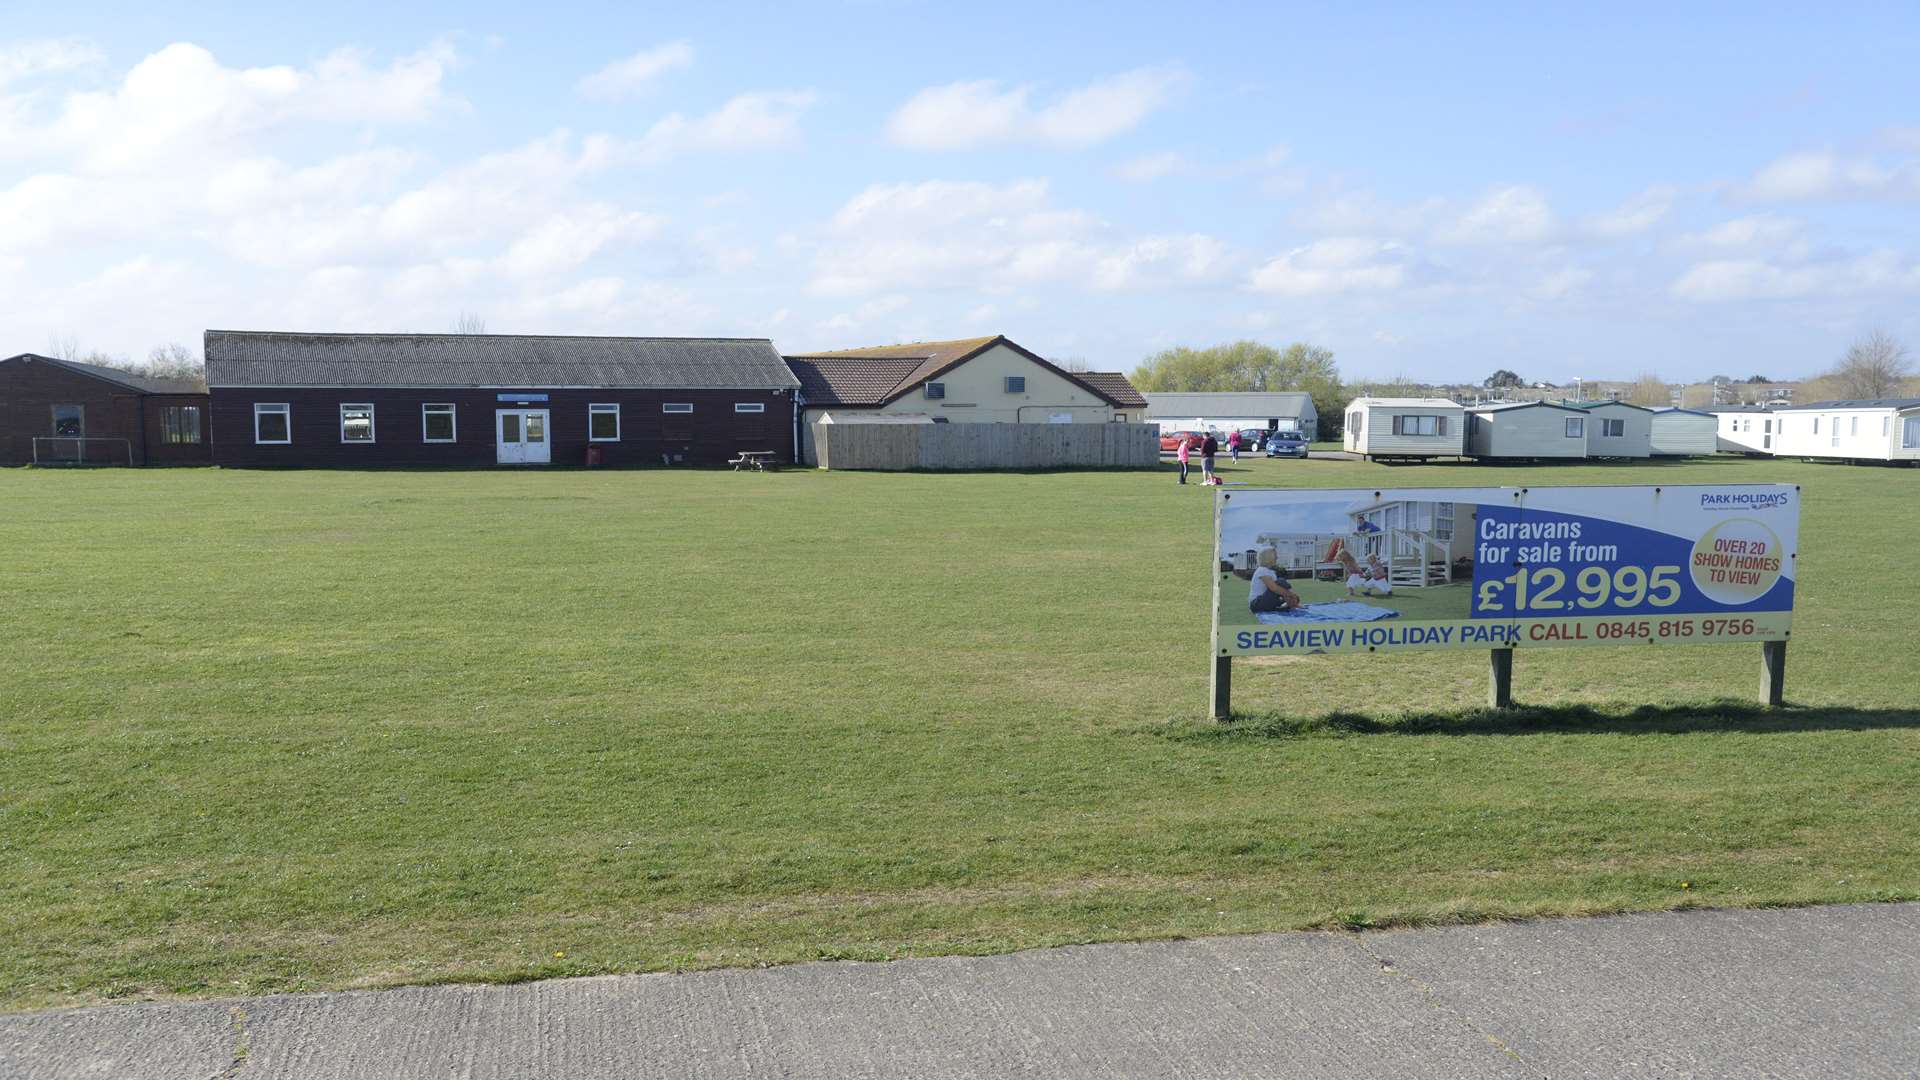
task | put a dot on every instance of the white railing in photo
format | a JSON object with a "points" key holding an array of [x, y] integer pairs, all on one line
{"points": [[82, 450]]}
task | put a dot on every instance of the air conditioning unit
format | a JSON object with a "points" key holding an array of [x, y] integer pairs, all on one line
{"points": [[936, 391]]}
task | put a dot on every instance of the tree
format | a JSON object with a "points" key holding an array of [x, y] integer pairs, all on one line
{"points": [[1650, 389], [1502, 379], [176, 361], [1756, 380], [1875, 366], [470, 322], [1252, 367]]}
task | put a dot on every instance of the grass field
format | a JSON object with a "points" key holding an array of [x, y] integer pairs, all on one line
{"points": [[273, 731]]}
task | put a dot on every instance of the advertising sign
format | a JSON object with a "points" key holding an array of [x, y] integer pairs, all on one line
{"points": [[1368, 570]]}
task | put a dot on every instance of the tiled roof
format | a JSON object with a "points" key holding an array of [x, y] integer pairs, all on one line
{"points": [[843, 381], [1115, 385], [246, 358]]}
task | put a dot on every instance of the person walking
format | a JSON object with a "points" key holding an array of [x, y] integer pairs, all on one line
{"points": [[1233, 445], [1186, 447], [1207, 450]]}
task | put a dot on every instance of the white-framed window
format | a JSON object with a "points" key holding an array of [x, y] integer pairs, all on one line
{"points": [[936, 391], [1910, 433], [1853, 425], [749, 406], [438, 422], [1833, 426], [1766, 426], [676, 407], [1576, 427], [1816, 425], [1612, 429], [1016, 384], [1419, 425], [1886, 426], [1355, 419], [180, 425], [1119, 418], [70, 420], [272, 423], [356, 423], [603, 423]]}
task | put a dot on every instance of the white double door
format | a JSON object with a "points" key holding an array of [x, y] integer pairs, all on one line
{"points": [[521, 436]]}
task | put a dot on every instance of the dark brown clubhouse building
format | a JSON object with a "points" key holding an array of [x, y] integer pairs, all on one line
{"points": [[359, 400]]}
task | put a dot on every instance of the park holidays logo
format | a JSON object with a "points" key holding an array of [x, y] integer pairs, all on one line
{"points": [[1743, 500]]}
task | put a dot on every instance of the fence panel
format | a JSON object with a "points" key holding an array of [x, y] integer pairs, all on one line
{"points": [[986, 446]]}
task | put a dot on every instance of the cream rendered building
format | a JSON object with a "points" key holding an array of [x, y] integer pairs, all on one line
{"points": [[987, 380]]}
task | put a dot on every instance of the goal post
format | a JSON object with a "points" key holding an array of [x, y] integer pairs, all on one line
{"points": [[82, 450]]}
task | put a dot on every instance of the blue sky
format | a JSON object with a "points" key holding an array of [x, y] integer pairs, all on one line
{"points": [[1427, 193]]}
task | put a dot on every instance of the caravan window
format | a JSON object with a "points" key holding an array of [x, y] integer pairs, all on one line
{"points": [[1576, 427], [1355, 419], [1910, 433], [1419, 425]]}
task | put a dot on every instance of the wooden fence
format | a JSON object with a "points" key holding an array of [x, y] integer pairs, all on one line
{"points": [[986, 446]]}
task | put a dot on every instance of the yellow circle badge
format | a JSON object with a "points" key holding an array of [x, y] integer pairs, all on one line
{"points": [[1737, 562]]}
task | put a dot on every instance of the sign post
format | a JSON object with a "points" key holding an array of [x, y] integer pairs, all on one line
{"points": [[1502, 569], [1500, 678], [1773, 673]]}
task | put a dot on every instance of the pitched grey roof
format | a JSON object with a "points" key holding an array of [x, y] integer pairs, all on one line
{"points": [[1271, 403], [249, 358], [132, 380], [1663, 410], [1507, 406], [1859, 403]]}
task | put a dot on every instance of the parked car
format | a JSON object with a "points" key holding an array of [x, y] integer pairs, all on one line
{"points": [[1171, 440], [1253, 438], [1286, 444]]}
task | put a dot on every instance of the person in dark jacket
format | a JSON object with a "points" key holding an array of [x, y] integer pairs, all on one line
{"points": [[1207, 450]]}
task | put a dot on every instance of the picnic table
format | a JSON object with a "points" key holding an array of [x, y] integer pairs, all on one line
{"points": [[757, 460]]}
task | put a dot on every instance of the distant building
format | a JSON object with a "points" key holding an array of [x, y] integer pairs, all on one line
{"points": [[1283, 410]]}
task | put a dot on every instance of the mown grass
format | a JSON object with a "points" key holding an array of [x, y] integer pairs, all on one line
{"points": [[275, 731]]}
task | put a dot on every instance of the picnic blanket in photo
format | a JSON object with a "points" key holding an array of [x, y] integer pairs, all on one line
{"points": [[1330, 611]]}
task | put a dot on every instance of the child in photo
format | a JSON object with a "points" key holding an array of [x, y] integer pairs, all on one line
{"points": [[1377, 581], [1356, 577]]}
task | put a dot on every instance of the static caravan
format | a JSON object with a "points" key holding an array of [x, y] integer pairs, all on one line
{"points": [[1880, 429], [1616, 429], [1745, 429], [1400, 428], [1286, 410], [1684, 433], [1526, 430]]}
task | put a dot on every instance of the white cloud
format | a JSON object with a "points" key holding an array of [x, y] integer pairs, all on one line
{"points": [[1636, 215], [982, 112], [1758, 232], [756, 121], [877, 308], [1730, 280], [1560, 284], [1827, 176], [624, 78], [23, 60], [1334, 265], [1516, 214], [180, 105], [965, 234], [1154, 167]]}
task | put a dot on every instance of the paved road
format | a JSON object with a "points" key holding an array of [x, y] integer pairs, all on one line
{"points": [[1824, 992]]}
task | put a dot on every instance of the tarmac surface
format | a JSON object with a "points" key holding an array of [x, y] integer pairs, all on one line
{"points": [[1812, 992]]}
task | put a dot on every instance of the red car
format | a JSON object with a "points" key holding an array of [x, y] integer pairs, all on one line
{"points": [[1171, 440]]}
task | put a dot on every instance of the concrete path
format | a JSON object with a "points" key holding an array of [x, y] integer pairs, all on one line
{"points": [[1824, 992]]}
